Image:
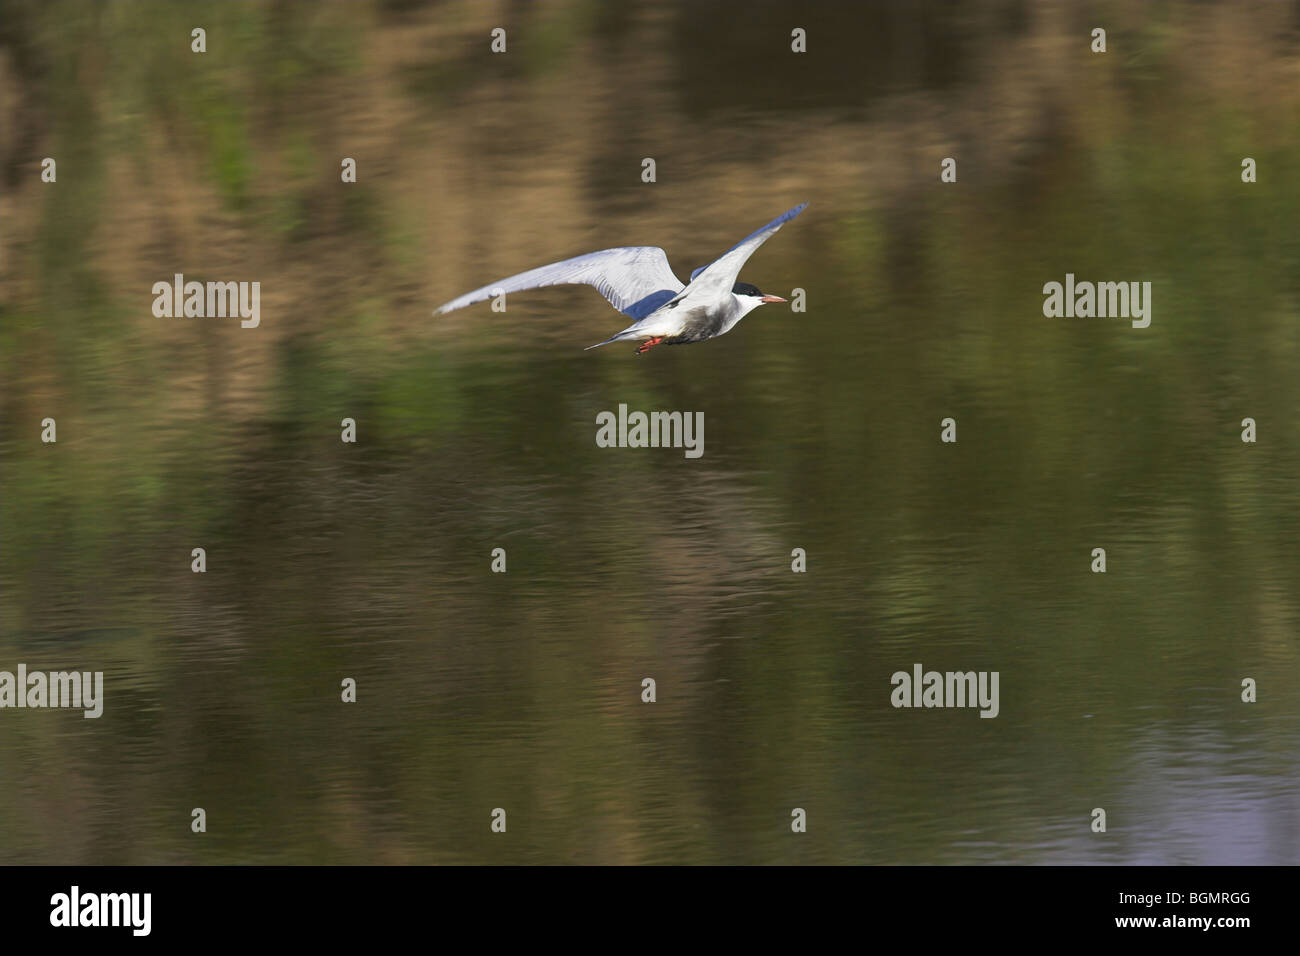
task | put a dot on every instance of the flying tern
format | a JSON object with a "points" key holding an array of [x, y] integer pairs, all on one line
{"points": [[638, 282]]}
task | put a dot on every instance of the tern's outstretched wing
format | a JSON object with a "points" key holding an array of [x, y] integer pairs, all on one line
{"points": [[635, 279], [722, 271]]}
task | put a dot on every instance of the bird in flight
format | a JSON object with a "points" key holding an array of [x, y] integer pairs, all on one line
{"points": [[638, 282]]}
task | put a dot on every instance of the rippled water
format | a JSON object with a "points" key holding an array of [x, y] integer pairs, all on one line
{"points": [[476, 431]]}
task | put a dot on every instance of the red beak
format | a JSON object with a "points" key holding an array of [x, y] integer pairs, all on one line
{"points": [[772, 298]]}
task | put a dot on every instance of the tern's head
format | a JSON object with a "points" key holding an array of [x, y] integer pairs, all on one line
{"points": [[750, 295]]}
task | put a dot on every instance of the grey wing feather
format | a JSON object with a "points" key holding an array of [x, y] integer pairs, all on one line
{"points": [[736, 256], [635, 279]]}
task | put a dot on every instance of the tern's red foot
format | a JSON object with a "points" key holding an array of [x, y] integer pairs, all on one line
{"points": [[648, 344]]}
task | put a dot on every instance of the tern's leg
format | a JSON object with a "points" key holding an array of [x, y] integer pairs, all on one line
{"points": [[648, 344]]}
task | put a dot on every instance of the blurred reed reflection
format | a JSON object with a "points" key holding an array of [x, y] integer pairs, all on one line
{"points": [[476, 431]]}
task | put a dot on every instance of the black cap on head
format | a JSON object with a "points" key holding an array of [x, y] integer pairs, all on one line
{"points": [[744, 288]]}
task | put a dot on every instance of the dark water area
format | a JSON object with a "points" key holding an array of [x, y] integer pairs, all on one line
{"points": [[476, 431]]}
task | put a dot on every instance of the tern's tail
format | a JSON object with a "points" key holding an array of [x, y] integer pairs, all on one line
{"points": [[625, 334]]}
